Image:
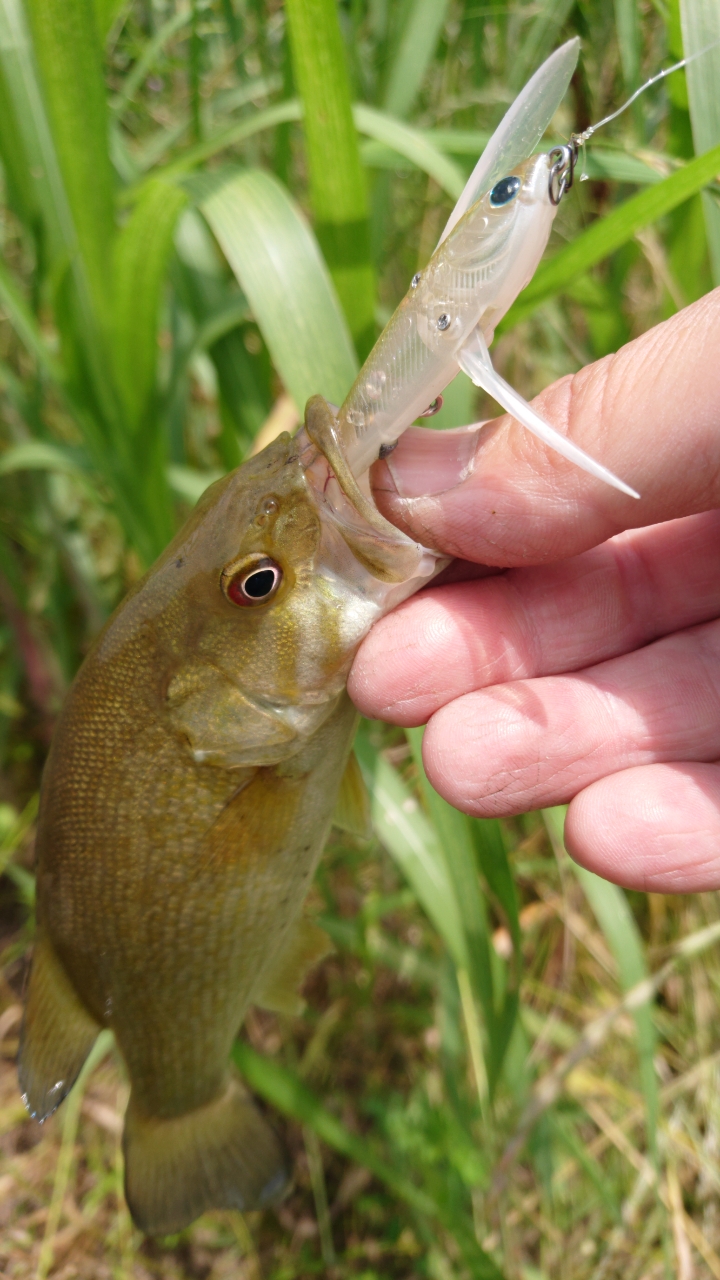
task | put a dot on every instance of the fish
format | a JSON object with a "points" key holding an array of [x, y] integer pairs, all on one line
{"points": [[188, 792], [205, 746]]}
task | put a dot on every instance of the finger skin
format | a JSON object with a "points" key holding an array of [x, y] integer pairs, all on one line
{"points": [[448, 641], [533, 743], [655, 828], [651, 413]]}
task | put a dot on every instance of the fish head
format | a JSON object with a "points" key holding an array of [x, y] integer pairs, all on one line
{"points": [[262, 598]]}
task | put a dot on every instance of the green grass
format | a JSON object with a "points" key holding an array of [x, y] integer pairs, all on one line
{"points": [[508, 1069]]}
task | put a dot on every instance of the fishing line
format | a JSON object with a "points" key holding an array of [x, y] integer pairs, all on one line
{"points": [[564, 158], [581, 138]]}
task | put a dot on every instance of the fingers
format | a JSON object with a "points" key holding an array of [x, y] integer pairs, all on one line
{"points": [[539, 742], [651, 413], [655, 828], [447, 642]]}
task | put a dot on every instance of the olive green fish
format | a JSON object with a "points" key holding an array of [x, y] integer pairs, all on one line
{"points": [[186, 799]]}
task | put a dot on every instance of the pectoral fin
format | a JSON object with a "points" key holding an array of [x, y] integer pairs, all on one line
{"points": [[307, 946], [57, 1034], [474, 359], [352, 811]]}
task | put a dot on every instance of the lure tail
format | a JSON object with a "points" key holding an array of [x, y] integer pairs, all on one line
{"points": [[221, 1156], [474, 360]]}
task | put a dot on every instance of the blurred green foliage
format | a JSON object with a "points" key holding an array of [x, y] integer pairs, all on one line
{"points": [[207, 212]]}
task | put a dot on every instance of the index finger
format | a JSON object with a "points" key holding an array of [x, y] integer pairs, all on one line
{"points": [[651, 413]]}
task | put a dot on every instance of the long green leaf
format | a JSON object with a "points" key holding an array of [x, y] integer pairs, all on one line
{"points": [[25, 325], [622, 935], [416, 145], [68, 55], [628, 34], [21, 188], [539, 40], [107, 13], [29, 117], [279, 267], [413, 843], [39, 455], [338, 193], [454, 831], [61, 241], [609, 233], [289, 1094], [420, 34], [700, 21], [280, 113], [142, 251]]}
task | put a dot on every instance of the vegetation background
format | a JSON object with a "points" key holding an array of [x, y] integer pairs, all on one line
{"points": [[509, 1068]]}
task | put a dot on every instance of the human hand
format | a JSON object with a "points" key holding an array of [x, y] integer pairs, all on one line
{"points": [[589, 671]]}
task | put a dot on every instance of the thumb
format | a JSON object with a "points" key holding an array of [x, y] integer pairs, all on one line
{"points": [[496, 495]]}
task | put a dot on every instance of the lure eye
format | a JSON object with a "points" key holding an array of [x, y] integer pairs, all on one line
{"points": [[504, 191], [255, 585]]}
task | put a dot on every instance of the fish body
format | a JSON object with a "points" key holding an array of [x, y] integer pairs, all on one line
{"points": [[185, 803]]}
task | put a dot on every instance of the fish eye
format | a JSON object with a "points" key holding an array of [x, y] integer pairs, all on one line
{"points": [[255, 584], [504, 191]]}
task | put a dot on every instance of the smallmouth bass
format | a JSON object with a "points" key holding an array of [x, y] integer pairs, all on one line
{"points": [[186, 799]]}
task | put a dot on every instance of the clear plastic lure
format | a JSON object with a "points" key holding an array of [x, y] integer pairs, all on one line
{"points": [[489, 250]]}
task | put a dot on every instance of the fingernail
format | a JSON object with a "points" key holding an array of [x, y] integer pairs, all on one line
{"points": [[427, 462]]}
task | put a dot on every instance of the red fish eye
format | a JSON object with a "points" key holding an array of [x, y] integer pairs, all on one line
{"points": [[255, 585]]}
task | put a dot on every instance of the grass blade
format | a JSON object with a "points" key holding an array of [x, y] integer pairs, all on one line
{"points": [[285, 1091], [700, 21], [23, 322], [63, 1169], [536, 45], [280, 113], [68, 56], [338, 191], [22, 194], [278, 265], [609, 233], [106, 14], [414, 144], [413, 843], [484, 968], [25, 95], [628, 34], [420, 34], [142, 251], [611, 909]]}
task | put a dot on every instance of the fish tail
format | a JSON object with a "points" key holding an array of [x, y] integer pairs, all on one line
{"points": [[220, 1156], [57, 1033]]}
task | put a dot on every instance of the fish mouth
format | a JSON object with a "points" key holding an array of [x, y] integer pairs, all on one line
{"points": [[345, 503]]}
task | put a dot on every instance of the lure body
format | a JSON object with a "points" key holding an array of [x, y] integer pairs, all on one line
{"points": [[489, 250], [470, 282]]}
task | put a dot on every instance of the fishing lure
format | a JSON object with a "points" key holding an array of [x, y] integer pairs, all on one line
{"points": [[488, 252]]}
